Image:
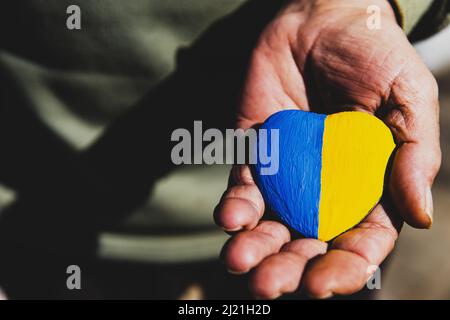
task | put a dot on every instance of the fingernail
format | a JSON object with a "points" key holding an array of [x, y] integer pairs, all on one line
{"points": [[236, 273], [275, 296], [429, 205], [234, 229], [326, 296]]}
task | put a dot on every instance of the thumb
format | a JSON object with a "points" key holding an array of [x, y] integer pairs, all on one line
{"points": [[413, 117]]}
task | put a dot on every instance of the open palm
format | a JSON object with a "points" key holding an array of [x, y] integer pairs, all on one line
{"points": [[320, 56]]}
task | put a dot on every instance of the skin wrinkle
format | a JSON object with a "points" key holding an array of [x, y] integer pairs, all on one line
{"points": [[346, 64], [303, 105], [236, 176], [259, 235], [363, 85], [360, 80], [260, 57], [243, 119], [388, 84], [285, 88], [245, 176], [292, 38], [250, 202], [350, 80], [294, 101], [314, 79], [288, 248], [353, 245], [399, 115], [274, 238], [316, 55], [304, 55]]}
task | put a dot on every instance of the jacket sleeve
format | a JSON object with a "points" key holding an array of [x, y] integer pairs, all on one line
{"points": [[422, 18]]}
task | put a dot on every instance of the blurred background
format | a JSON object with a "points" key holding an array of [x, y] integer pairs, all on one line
{"points": [[169, 246], [420, 266]]}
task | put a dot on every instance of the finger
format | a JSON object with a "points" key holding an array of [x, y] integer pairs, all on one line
{"points": [[248, 248], [337, 272], [242, 204], [414, 121], [281, 273], [346, 268]]}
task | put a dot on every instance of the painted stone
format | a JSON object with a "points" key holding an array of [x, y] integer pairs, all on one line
{"points": [[331, 170]]}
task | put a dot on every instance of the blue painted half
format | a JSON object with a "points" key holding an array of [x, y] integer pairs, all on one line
{"points": [[294, 191]]}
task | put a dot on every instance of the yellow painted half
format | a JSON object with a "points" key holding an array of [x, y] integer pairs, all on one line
{"points": [[355, 152]]}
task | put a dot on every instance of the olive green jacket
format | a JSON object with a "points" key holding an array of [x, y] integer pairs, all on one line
{"points": [[422, 18]]}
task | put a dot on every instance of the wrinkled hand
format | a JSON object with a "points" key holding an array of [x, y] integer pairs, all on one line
{"points": [[319, 55]]}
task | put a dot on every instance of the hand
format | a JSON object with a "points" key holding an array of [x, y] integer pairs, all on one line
{"points": [[320, 56]]}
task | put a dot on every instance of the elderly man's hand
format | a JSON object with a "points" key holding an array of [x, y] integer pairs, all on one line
{"points": [[320, 55]]}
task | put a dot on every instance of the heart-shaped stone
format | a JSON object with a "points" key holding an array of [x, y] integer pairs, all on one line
{"points": [[331, 169]]}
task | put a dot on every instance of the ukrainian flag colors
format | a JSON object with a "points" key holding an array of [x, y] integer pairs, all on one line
{"points": [[331, 170]]}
